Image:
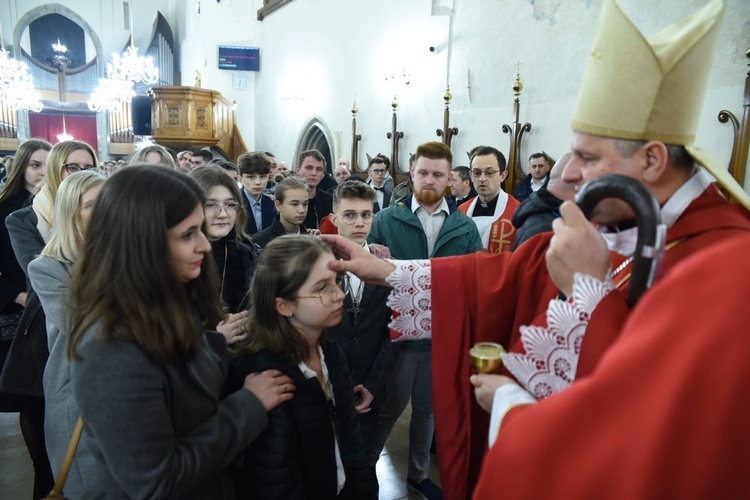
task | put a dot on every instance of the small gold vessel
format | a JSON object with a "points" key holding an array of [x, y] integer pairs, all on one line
{"points": [[485, 357]]}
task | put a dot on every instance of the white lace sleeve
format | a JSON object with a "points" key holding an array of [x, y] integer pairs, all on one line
{"points": [[411, 299], [549, 362]]}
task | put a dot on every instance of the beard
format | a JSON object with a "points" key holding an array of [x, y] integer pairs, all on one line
{"points": [[428, 198]]}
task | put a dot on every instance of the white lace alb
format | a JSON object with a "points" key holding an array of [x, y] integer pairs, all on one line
{"points": [[551, 354], [411, 299]]}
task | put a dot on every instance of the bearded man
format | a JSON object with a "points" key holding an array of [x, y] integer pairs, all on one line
{"points": [[420, 226]]}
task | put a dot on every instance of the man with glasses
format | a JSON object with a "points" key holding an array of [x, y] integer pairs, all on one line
{"points": [[254, 169], [311, 166], [419, 226], [492, 209], [377, 170], [363, 332]]}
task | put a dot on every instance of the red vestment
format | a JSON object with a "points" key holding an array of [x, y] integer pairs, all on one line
{"points": [[502, 231], [487, 297], [327, 227], [665, 412]]}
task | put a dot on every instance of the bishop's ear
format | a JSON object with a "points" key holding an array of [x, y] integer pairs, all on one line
{"points": [[657, 158]]}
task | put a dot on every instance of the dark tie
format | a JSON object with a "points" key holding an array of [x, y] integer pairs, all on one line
{"points": [[381, 189]]}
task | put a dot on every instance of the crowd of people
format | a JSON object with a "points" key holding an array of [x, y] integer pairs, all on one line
{"points": [[233, 214], [240, 330]]}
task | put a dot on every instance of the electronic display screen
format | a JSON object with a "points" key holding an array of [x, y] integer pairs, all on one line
{"points": [[237, 58]]}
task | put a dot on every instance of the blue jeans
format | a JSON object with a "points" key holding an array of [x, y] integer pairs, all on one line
{"points": [[411, 378]]}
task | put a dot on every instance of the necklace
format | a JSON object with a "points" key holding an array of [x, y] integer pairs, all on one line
{"points": [[356, 299], [629, 260], [622, 266], [223, 274]]}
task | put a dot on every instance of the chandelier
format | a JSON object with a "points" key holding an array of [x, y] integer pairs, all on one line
{"points": [[16, 85], [123, 73], [132, 67], [64, 136], [111, 93]]}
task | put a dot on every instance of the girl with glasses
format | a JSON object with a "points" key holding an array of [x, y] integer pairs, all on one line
{"points": [[234, 253], [147, 376], [50, 276], [312, 447]]}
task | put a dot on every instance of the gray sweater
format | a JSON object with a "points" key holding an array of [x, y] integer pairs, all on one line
{"points": [[51, 280], [161, 430]]}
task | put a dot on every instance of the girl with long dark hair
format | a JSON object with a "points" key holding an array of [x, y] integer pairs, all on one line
{"points": [[147, 377]]}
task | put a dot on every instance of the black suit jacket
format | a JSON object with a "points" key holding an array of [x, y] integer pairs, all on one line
{"points": [[366, 343], [267, 213], [386, 200], [323, 206]]}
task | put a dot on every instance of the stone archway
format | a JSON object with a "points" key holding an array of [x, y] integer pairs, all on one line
{"points": [[56, 8], [315, 135]]}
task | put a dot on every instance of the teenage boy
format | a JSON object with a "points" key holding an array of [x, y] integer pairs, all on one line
{"points": [[254, 170], [363, 332], [291, 203]]}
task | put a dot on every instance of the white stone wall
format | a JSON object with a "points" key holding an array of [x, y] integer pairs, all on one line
{"points": [[318, 56]]}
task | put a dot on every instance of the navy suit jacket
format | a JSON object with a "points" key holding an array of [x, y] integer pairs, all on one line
{"points": [[267, 213]]}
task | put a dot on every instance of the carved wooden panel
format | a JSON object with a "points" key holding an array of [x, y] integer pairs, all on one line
{"points": [[174, 116], [200, 117]]}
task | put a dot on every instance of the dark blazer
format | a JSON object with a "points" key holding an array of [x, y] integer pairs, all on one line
{"points": [[386, 200], [366, 344], [269, 234], [295, 457], [523, 189], [267, 213]]}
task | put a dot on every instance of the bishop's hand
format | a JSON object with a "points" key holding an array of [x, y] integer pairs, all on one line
{"points": [[576, 247], [357, 260]]}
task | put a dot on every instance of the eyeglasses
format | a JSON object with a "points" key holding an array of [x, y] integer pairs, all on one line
{"points": [[328, 294], [489, 174], [72, 168], [351, 217], [379, 171], [213, 208]]}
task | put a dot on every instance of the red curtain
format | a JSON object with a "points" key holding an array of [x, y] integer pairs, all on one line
{"points": [[48, 126]]}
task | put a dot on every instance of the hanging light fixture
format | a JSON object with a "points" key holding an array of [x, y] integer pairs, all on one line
{"points": [[16, 84], [122, 75], [65, 136]]}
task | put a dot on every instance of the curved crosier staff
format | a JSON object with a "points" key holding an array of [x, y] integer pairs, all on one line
{"points": [[651, 232]]}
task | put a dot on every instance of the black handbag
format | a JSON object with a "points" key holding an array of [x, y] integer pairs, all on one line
{"points": [[9, 323], [24, 367]]}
